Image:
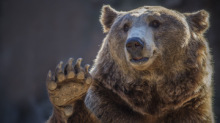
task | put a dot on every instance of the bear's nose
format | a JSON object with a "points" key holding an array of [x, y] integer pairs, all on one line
{"points": [[134, 44]]}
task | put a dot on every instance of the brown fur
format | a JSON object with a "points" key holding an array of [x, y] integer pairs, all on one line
{"points": [[81, 115], [175, 88]]}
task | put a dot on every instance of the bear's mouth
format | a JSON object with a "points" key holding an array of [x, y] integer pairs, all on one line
{"points": [[139, 60]]}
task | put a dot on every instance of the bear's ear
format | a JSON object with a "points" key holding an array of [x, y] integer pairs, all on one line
{"points": [[107, 17], [198, 21]]}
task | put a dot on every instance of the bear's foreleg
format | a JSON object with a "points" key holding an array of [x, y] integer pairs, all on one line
{"points": [[67, 89]]}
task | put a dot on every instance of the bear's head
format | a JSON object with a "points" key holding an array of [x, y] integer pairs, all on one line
{"points": [[151, 36]]}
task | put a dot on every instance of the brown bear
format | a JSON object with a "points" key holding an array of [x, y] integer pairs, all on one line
{"points": [[154, 66]]}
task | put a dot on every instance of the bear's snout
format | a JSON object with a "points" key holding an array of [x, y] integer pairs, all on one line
{"points": [[138, 51], [134, 46]]}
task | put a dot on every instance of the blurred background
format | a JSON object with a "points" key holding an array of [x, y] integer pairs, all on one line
{"points": [[36, 34]]}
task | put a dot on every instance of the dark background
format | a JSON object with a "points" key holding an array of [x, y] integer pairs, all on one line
{"points": [[36, 34]]}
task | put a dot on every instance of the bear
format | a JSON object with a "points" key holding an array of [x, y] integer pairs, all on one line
{"points": [[154, 66]]}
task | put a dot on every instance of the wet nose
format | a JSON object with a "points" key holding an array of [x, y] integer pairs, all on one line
{"points": [[134, 44]]}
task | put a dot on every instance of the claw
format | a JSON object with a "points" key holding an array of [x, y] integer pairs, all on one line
{"points": [[87, 68], [69, 69], [59, 73], [69, 65], [51, 85], [79, 71], [70, 61], [59, 67], [88, 76], [49, 76], [78, 62]]}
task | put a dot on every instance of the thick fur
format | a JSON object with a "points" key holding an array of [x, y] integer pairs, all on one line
{"points": [[175, 88]]}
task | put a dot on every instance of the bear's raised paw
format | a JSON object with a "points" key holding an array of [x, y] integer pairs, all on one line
{"points": [[68, 85]]}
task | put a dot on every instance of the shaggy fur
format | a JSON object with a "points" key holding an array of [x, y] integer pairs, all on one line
{"points": [[175, 88]]}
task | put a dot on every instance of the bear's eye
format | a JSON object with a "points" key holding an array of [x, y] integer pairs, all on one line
{"points": [[126, 28], [154, 24]]}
